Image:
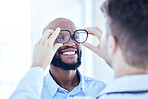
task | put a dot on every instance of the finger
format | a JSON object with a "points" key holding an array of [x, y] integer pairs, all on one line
{"points": [[96, 50], [56, 46], [89, 46], [39, 40], [90, 29], [47, 33], [97, 28], [95, 32], [54, 36]]}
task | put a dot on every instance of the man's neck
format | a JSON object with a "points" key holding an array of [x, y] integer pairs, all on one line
{"points": [[66, 79], [124, 69]]}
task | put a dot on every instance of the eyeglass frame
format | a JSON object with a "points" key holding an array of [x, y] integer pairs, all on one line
{"points": [[74, 36]]}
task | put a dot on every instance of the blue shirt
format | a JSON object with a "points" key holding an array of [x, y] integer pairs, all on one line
{"points": [[86, 87]]}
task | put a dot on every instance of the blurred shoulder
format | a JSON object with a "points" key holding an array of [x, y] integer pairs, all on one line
{"points": [[89, 80], [92, 86]]}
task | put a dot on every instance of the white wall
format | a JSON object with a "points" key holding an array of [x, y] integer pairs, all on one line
{"points": [[101, 69]]}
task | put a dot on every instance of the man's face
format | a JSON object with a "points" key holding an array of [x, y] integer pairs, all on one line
{"points": [[68, 57]]}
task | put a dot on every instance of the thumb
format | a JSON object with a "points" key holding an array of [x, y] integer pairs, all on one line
{"points": [[56, 46], [89, 46]]}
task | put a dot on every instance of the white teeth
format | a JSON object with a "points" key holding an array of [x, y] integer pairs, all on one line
{"points": [[69, 53]]}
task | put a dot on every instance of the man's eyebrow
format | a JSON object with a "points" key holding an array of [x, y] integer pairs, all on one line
{"points": [[70, 31]]}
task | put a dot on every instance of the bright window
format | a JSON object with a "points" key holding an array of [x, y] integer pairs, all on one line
{"points": [[15, 43]]}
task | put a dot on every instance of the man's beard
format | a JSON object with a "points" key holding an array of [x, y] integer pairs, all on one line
{"points": [[57, 62]]}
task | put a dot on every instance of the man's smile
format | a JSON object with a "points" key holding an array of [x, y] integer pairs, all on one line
{"points": [[69, 52]]}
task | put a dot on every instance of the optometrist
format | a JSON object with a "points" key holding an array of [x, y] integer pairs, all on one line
{"points": [[61, 49], [125, 48]]}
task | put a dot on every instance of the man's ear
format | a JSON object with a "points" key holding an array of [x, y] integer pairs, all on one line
{"points": [[112, 45]]}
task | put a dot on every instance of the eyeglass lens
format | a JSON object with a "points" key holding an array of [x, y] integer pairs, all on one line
{"points": [[63, 37], [80, 36]]}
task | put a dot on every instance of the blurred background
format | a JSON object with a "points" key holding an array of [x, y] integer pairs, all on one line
{"points": [[21, 26]]}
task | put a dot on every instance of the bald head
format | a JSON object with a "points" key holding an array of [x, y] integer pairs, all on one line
{"points": [[63, 23]]}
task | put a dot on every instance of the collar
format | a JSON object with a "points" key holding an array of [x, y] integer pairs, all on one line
{"points": [[128, 83], [51, 84], [81, 86], [53, 87]]}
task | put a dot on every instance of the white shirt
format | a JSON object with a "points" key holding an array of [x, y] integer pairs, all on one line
{"points": [[30, 86], [125, 84]]}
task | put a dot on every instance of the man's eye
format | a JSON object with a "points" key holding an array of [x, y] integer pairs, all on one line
{"points": [[60, 38], [77, 37]]}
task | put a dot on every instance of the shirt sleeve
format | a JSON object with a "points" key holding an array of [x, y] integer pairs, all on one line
{"points": [[30, 87]]}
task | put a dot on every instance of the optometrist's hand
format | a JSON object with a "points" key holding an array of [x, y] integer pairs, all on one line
{"points": [[98, 33], [45, 49]]}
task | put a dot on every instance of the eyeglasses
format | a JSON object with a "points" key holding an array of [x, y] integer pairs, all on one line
{"points": [[80, 36]]}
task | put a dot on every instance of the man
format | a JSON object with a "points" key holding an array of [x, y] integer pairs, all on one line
{"points": [[63, 80], [124, 47]]}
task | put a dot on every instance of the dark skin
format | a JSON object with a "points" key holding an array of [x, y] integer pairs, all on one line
{"points": [[66, 79]]}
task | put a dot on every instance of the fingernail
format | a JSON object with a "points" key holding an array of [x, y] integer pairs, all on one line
{"points": [[61, 45], [83, 43], [58, 28]]}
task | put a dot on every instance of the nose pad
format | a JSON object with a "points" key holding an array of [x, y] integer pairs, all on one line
{"points": [[71, 42]]}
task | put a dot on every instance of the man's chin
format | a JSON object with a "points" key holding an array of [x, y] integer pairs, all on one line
{"points": [[67, 66], [70, 65], [57, 62]]}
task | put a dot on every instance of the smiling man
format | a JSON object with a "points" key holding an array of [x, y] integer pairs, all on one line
{"points": [[64, 80]]}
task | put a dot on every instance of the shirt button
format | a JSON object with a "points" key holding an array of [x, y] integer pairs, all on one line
{"points": [[68, 97], [59, 89]]}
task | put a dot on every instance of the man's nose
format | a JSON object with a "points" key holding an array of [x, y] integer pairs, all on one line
{"points": [[71, 42]]}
